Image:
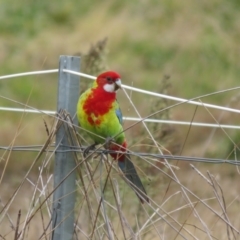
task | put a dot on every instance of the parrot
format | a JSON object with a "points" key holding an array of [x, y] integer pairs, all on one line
{"points": [[98, 113]]}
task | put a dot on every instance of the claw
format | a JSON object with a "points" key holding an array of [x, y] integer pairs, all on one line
{"points": [[88, 149], [108, 142]]}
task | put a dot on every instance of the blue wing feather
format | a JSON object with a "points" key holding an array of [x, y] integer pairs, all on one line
{"points": [[119, 115]]}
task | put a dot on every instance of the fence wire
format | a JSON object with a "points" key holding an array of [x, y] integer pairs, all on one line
{"points": [[52, 148]]}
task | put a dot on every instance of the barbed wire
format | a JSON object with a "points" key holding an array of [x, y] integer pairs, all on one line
{"points": [[52, 148]]}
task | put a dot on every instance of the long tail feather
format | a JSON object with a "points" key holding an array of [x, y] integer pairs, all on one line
{"points": [[130, 173]]}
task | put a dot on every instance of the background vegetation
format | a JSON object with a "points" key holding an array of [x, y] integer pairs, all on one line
{"points": [[182, 48]]}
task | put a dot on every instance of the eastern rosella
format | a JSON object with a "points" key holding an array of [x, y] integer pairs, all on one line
{"points": [[98, 112]]}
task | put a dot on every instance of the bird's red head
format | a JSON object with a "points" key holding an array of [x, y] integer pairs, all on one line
{"points": [[110, 81]]}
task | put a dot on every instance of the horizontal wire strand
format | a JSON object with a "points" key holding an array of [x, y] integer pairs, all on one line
{"points": [[37, 148], [147, 120], [182, 100], [28, 73]]}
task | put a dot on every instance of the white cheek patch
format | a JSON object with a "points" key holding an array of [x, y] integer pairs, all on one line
{"points": [[109, 87]]}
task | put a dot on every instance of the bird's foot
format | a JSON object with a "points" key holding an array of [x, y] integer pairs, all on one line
{"points": [[108, 142], [105, 151], [107, 145], [88, 149]]}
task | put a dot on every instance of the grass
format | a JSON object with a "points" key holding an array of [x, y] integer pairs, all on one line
{"points": [[194, 43], [193, 212]]}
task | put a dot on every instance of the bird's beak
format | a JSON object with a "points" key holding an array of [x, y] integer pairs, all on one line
{"points": [[118, 84]]}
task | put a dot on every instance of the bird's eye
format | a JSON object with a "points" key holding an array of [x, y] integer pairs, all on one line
{"points": [[109, 79]]}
